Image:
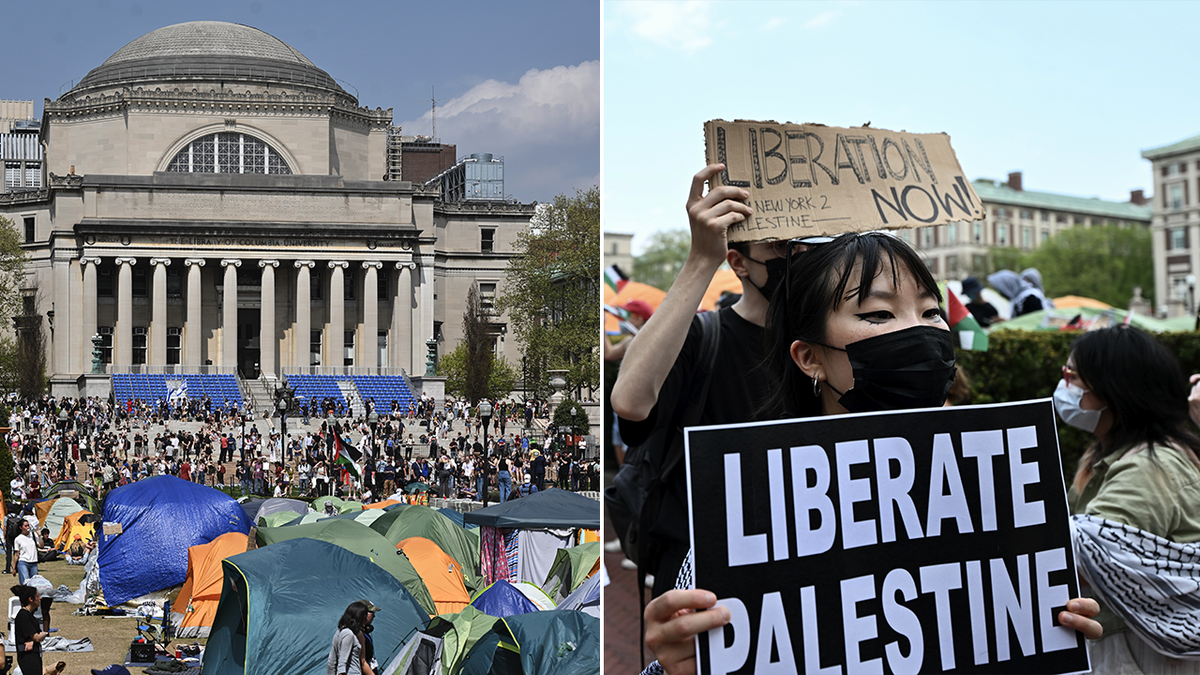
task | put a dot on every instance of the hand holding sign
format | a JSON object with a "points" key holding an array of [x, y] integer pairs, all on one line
{"points": [[711, 215], [673, 620]]}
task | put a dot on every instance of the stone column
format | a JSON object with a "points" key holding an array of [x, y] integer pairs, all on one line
{"points": [[337, 313], [194, 328], [370, 337], [60, 326], [268, 342], [89, 306], [229, 313], [424, 331], [158, 315], [402, 348], [124, 330], [303, 313]]}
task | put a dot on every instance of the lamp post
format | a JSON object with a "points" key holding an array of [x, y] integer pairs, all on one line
{"points": [[485, 415], [63, 419]]}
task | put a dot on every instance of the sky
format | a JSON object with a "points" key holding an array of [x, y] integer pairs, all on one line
{"points": [[1069, 93], [517, 79]]}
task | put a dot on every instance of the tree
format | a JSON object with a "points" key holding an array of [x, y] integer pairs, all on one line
{"points": [[23, 360], [552, 292], [502, 377], [1104, 263], [571, 414], [12, 269], [479, 342], [663, 258]]}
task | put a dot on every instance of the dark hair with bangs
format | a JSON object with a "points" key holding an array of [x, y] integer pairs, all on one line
{"points": [[354, 617], [818, 282], [1144, 387]]}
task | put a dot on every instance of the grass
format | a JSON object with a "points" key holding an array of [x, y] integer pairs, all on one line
{"points": [[110, 636]]}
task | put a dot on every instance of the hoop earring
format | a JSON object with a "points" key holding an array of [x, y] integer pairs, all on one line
{"points": [[816, 387]]}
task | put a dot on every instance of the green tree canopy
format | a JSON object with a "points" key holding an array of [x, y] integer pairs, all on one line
{"points": [[502, 376], [1104, 263], [663, 258], [552, 292]]}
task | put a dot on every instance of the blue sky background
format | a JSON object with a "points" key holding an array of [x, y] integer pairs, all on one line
{"points": [[1067, 92], [518, 79]]}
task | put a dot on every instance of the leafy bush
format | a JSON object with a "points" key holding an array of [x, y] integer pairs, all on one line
{"points": [[571, 414]]}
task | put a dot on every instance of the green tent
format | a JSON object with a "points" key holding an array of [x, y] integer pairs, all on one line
{"points": [[1053, 319], [572, 566], [342, 505], [362, 540], [422, 521], [280, 606], [85, 496], [554, 642], [278, 518], [443, 645]]}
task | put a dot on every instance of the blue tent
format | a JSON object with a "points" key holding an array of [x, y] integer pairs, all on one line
{"points": [[502, 599], [160, 519], [554, 642], [457, 517], [280, 605]]}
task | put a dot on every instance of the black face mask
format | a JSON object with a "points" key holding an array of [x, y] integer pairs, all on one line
{"points": [[910, 368], [776, 273]]}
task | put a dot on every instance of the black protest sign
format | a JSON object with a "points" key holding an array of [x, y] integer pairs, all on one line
{"points": [[810, 179], [902, 542]]}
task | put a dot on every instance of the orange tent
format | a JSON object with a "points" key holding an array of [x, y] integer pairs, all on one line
{"points": [[71, 527], [1075, 301], [196, 605], [632, 290], [380, 505], [724, 280], [442, 574], [42, 509]]}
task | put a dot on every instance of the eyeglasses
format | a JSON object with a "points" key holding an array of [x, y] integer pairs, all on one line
{"points": [[791, 249]]}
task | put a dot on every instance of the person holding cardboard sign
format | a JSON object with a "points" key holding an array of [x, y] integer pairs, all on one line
{"points": [[659, 374], [856, 327]]}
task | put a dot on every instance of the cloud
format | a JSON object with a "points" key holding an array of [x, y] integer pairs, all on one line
{"points": [[773, 23], [546, 126], [823, 19], [682, 25]]}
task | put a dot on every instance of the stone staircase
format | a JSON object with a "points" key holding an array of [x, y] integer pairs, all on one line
{"points": [[259, 394], [350, 393]]}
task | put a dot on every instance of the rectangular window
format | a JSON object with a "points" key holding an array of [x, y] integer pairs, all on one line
{"points": [[1002, 235], [314, 348], [951, 265], [104, 282], [977, 263], [1178, 238], [614, 246], [1026, 214], [1045, 216], [12, 176], [139, 345], [348, 284], [381, 347], [951, 233], [1001, 213], [314, 285], [141, 288], [1176, 196], [33, 175], [926, 237], [30, 229], [106, 342], [487, 296], [1026, 238], [381, 279], [173, 345], [174, 283], [486, 240], [978, 232], [1045, 236], [1171, 170], [1060, 218], [348, 349]]}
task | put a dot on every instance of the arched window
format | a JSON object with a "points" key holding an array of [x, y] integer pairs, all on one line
{"points": [[228, 152]]}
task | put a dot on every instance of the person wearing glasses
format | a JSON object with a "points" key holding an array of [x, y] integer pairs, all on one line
{"points": [[855, 328], [1143, 472], [657, 376]]}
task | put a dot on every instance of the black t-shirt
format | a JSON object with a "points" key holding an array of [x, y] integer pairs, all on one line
{"points": [[736, 391], [24, 627]]}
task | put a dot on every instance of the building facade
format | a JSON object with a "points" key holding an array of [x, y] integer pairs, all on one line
{"points": [[215, 202], [1016, 218], [1176, 225], [618, 250]]}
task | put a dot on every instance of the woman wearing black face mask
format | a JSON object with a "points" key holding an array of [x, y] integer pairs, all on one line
{"points": [[1137, 493], [855, 328]]}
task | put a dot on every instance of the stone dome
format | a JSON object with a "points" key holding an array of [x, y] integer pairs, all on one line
{"points": [[207, 52]]}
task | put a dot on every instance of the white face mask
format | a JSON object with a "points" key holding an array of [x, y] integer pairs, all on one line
{"points": [[1067, 403]]}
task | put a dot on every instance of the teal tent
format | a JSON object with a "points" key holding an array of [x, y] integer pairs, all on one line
{"points": [[280, 606], [554, 642]]}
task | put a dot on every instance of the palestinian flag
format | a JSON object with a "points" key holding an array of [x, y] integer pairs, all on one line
{"points": [[615, 278], [963, 325], [347, 455]]}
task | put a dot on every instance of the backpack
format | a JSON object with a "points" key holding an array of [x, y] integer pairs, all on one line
{"points": [[634, 499]]}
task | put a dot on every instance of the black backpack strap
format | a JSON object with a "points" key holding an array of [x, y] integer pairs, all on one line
{"points": [[710, 341]]}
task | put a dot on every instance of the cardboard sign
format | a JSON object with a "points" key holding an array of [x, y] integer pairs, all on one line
{"points": [[809, 179], [902, 542], [112, 528]]}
